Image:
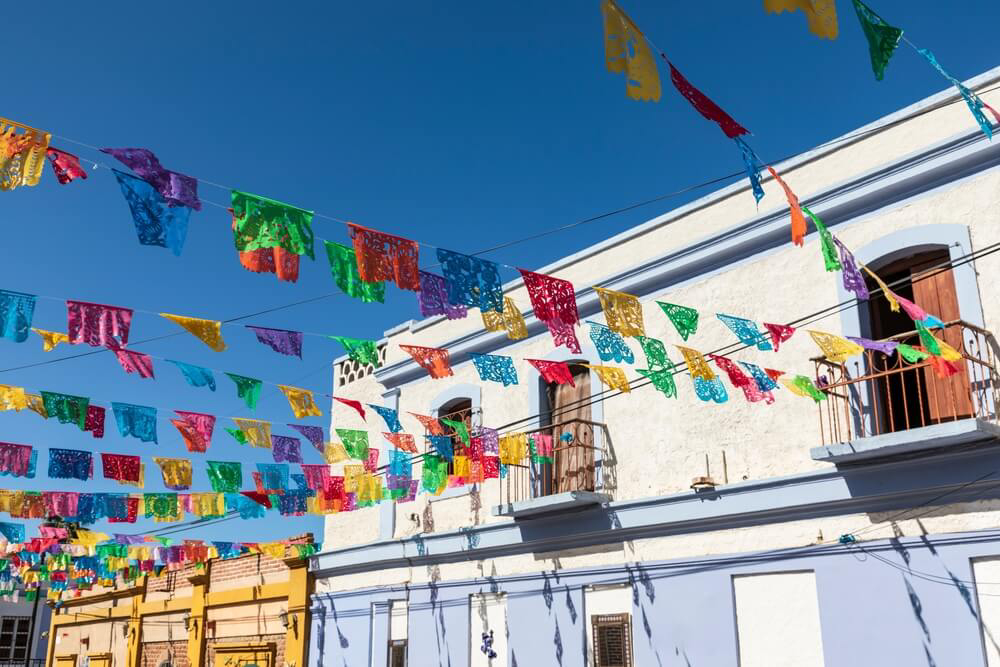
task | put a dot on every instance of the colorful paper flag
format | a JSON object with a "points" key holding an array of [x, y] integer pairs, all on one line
{"points": [[433, 298], [706, 107], [135, 362], [822, 14], [176, 189], [495, 368], [260, 223], [301, 402], [612, 376], [626, 50], [247, 389], [138, 421], [684, 319], [557, 372], [882, 37], [390, 416], [207, 331], [176, 473], [196, 376], [794, 210], [746, 331], [434, 360], [471, 281], [510, 321], [553, 301], [51, 338], [157, 222], [65, 166], [385, 257], [344, 268], [22, 154]]}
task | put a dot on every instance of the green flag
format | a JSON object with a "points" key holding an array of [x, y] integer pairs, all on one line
{"points": [[882, 37]]}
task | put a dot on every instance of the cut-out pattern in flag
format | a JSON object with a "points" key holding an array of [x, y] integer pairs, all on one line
{"points": [[176, 473], [225, 476], [157, 223], [65, 166], [284, 264], [557, 372], [360, 350], [196, 428], [67, 409], [510, 321], [610, 345], [22, 154], [286, 448], [430, 424], [751, 390], [247, 389], [433, 298], [495, 368], [335, 452], [355, 442], [344, 268], [16, 313], [196, 376], [257, 432], [51, 338], [138, 421], [403, 441], [662, 379], [371, 463], [98, 325], [918, 314], [317, 476], [827, 246], [684, 319], [135, 362], [17, 460], [301, 402], [434, 360], [656, 353], [798, 220], [882, 37], [122, 468], [911, 354], [471, 281], [94, 422], [384, 257], [802, 386], [260, 223], [706, 107], [485, 441], [281, 341], [177, 189], [12, 532], [886, 347], [835, 348], [889, 295], [753, 167], [822, 14], [314, 434], [13, 398], [779, 333], [626, 50], [764, 381], [443, 445], [696, 364], [70, 464], [746, 331], [853, 280], [553, 301], [710, 390], [207, 331], [390, 416], [972, 100], [459, 428], [162, 507], [612, 376], [623, 312], [36, 404], [351, 403]]}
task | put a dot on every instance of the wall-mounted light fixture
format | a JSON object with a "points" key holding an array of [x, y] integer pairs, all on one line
{"points": [[294, 622]]}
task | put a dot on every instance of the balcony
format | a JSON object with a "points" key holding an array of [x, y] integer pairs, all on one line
{"points": [[581, 473], [880, 406]]}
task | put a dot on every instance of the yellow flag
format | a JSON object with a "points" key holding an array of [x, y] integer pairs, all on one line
{"points": [[37, 404], [886, 292], [51, 338], [208, 504], [461, 466], [612, 376], [12, 398], [176, 472], [335, 452], [275, 550], [257, 432], [697, 366], [22, 154], [822, 14], [948, 353], [622, 311], [626, 50], [88, 538], [352, 477], [301, 401], [835, 349], [208, 331], [513, 448], [510, 320]]}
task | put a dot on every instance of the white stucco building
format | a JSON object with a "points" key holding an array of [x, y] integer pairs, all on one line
{"points": [[748, 571]]}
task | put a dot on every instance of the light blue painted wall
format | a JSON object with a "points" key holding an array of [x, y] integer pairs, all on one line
{"points": [[43, 614], [899, 602]]}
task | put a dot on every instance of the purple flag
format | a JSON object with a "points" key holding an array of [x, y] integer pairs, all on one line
{"points": [[177, 189], [886, 347], [286, 449], [313, 434], [280, 340], [853, 280], [433, 298]]}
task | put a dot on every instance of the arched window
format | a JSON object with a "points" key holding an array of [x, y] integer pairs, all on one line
{"points": [[567, 415], [910, 397]]}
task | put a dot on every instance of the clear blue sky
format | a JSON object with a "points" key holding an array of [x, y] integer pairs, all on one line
{"points": [[458, 124]]}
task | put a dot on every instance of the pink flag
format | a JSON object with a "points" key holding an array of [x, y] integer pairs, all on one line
{"points": [[135, 362], [779, 333], [553, 371], [97, 324]]}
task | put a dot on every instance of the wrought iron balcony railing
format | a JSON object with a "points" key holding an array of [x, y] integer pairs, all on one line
{"points": [[582, 460], [879, 394]]}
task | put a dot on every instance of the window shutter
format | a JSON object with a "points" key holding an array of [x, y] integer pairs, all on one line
{"points": [[397, 653], [612, 640]]}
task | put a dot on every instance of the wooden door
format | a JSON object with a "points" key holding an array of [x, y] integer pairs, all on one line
{"points": [[573, 460], [948, 398]]}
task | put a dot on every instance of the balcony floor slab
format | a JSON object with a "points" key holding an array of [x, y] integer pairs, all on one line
{"points": [[558, 502], [937, 436]]}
